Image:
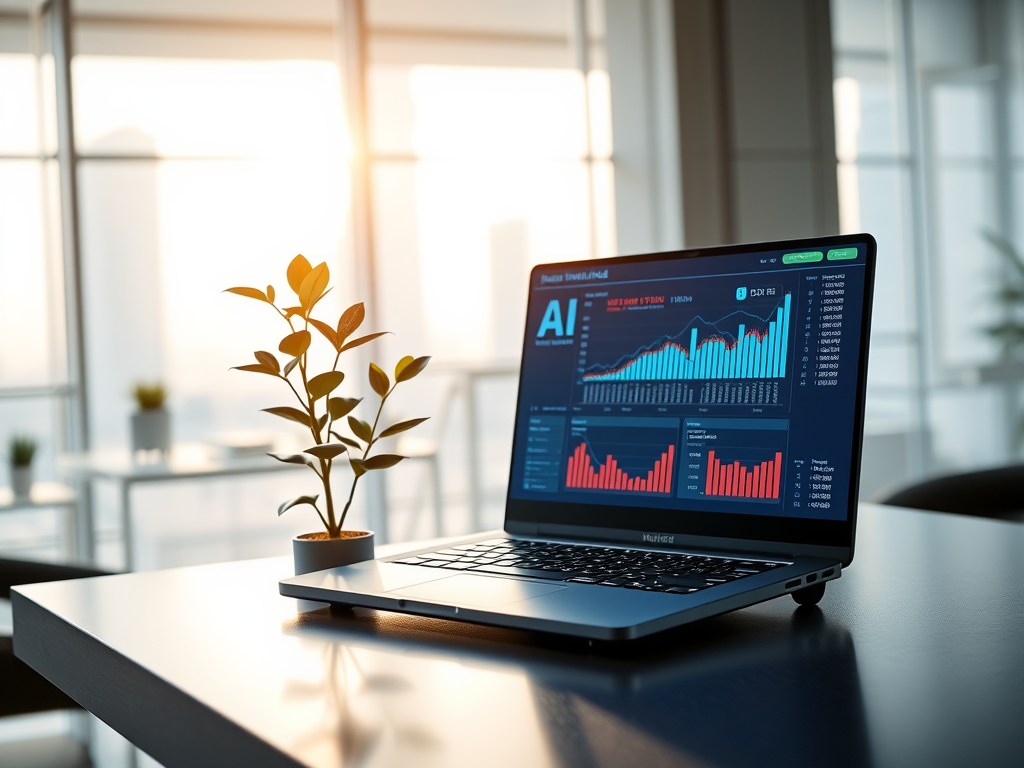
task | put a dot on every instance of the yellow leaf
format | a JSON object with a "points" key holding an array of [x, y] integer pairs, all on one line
{"points": [[313, 285], [252, 293], [413, 369], [327, 331], [270, 294], [351, 319], [324, 384], [294, 344], [379, 380], [400, 366], [297, 272]]}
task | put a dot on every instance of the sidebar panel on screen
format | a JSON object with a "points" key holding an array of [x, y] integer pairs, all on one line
{"points": [[721, 384]]}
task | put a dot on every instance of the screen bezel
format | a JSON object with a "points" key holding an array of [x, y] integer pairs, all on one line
{"points": [[754, 530]]}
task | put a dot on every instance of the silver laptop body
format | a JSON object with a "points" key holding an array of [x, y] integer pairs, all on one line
{"points": [[687, 442]]}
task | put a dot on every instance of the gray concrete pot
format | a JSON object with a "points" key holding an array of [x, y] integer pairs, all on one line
{"points": [[151, 430], [21, 481], [317, 554]]}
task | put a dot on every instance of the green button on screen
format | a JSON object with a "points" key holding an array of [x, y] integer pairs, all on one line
{"points": [[838, 254], [802, 258]]}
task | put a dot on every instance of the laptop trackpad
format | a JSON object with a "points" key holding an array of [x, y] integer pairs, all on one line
{"points": [[480, 591]]}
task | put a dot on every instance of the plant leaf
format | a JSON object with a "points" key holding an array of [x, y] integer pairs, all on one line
{"points": [[379, 380], [382, 461], [362, 340], [252, 293], [327, 331], [292, 414], [256, 368], [360, 429], [401, 426], [294, 344], [350, 319], [326, 451], [292, 458], [358, 466], [297, 271], [324, 384], [346, 440], [311, 500], [400, 366], [271, 295], [413, 369], [290, 366], [313, 285], [339, 407], [322, 421], [268, 360], [291, 312]]}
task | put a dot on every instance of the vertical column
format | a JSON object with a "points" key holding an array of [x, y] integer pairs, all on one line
{"points": [[785, 333], [778, 475]]}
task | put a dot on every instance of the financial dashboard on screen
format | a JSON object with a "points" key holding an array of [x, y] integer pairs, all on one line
{"points": [[722, 384]]}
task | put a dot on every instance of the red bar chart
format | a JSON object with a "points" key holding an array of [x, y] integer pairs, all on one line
{"points": [[743, 479], [582, 473]]}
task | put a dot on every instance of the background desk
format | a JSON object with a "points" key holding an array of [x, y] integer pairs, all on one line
{"points": [[915, 658]]}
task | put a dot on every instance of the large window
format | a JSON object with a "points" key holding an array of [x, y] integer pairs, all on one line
{"points": [[928, 98], [213, 142]]}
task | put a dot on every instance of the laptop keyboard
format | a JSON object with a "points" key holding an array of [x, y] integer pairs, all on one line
{"points": [[674, 572]]}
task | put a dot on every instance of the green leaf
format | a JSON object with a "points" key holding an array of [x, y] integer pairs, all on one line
{"points": [[291, 365], [270, 294], [360, 429], [347, 441], [339, 407], [294, 344], [313, 285], [327, 331], [401, 426], [413, 369], [292, 414], [268, 360], [382, 461], [362, 340], [292, 458], [326, 451], [400, 366], [297, 272], [379, 380], [311, 500], [358, 466], [350, 320], [252, 293], [324, 384], [256, 368]]}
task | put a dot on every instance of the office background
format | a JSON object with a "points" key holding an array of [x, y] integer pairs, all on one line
{"points": [[153, 153]]}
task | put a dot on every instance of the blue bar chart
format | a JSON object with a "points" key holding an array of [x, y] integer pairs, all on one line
{"points": [[744, 353]]}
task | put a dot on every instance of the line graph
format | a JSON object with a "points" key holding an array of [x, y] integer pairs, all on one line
{"points": [[741, 345]]}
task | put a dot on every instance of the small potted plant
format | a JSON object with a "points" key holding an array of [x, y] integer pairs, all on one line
{"points": [[151, 423], [326, 415], [22, 451]]}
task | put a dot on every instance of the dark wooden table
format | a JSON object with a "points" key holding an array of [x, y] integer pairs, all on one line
{"points": [[915, 657]]}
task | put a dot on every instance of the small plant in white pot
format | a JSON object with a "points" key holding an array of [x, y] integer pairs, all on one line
{"points": [[151, 423], [325, 416], [22, 450]]}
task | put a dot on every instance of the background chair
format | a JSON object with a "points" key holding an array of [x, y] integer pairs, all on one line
{"points": [[23, 691], [994, 493]]}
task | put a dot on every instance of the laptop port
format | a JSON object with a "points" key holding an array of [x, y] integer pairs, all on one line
{"points": [[828, 573], [793, 583], [812, 578]]}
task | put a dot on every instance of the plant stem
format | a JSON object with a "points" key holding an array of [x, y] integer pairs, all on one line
{"points": [[369, 444]]}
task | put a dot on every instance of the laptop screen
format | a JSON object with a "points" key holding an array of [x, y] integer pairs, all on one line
{"points": [[716, 392]]}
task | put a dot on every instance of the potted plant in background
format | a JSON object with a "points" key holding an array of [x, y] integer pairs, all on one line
{"points": [[1009, 331], [326, 416], [151, 423], [22, 451]]}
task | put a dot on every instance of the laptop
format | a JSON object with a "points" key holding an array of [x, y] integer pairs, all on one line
{"points": [[687, 442]]}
